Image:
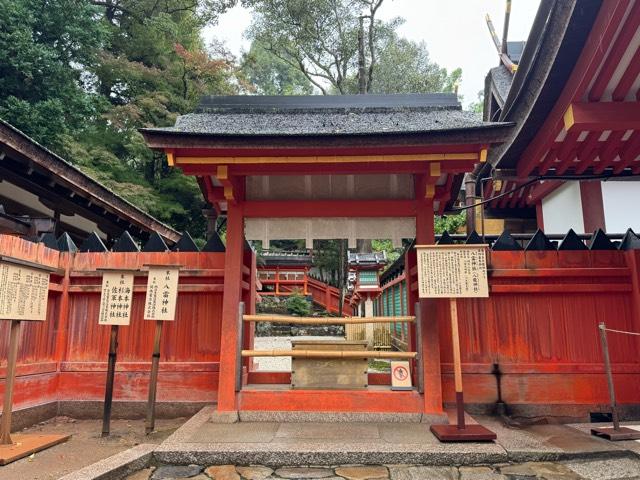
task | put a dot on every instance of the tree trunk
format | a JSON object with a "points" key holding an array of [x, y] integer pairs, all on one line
{"points": [[362, 69]]}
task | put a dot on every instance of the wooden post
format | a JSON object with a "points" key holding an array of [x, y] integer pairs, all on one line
{"points": [[607, 366], [153, 380], [419, 366], [616, 433], [240, 342], [12, 358], [457, 367], [111, 370]]}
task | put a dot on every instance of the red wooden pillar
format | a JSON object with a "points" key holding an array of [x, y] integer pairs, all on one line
{"points": [[429, 327], [62, 326], [230, 304]]}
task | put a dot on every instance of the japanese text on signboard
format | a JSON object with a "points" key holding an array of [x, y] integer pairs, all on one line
{"points": [[116, 299], [23, 293], [162, 291], [450, 272]]}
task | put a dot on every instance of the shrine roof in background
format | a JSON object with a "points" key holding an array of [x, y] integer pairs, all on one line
{"points": [[260, 117]]}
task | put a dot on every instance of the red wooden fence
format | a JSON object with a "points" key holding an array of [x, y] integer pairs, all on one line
{"points": [[539, 326], [65, 357]]}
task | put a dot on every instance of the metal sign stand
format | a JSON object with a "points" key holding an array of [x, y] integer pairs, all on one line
{"points": [[111, 373], [460, 432], [150, 421], [617, 432]]}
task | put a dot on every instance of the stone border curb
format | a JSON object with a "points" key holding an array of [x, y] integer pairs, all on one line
{"points": [[117, 466], [280, 455], [336, 417], [192, 425]]}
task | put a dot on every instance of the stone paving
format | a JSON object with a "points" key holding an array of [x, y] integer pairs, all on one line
{"points": [[215, 446], [619, 469]]}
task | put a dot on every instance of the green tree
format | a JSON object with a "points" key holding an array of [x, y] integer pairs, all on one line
{"points": [[404, 66], [318, 38], [83, 76], [478, 106], [270, 75], [449, 223], [46, 48]]}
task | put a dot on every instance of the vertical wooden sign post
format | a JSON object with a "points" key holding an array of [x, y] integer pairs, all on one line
{"points": [[160, 305], [454, 271], [24, 291], [115, 310]]}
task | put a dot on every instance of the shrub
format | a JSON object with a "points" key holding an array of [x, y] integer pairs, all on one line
{"points": [[298, 305]]}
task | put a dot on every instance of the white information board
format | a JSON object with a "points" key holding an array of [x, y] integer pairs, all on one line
{"points": [[452, 271], [23, 292], [162, 293], [116, 298]]}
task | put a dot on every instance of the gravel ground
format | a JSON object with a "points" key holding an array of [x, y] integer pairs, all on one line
{"points": [[279, 364], [86, 446]]}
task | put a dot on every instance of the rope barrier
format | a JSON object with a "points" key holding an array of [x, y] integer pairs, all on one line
{"points": [[619, 331]]}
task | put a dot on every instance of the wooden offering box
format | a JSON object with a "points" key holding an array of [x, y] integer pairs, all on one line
{"points": [[329, 373]]}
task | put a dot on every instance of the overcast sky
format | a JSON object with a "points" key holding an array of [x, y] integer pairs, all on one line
{"points": [[454, 30]]}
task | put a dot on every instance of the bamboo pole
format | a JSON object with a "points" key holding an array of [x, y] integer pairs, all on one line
{"points": [[327, 354], [325, 320]]}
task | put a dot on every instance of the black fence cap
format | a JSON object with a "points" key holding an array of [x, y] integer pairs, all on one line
{"points": [[155, 244], [125, 244]]}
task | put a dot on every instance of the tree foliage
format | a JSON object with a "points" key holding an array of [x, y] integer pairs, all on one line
{"points": [[320, 40], [82, 77], [270, 75]]}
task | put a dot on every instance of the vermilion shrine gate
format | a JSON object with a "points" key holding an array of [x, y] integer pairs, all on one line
{"points": [[354, 167]]}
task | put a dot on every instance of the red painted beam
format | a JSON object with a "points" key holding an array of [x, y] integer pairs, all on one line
{"points": [[446, 166], [614, 56], [609, 17], [587, 151], [609, 153], [280, 151], [542, 189], [628, 153], [329, 208], [628, 78], [603, 116], [549, 161], [588, 156]]}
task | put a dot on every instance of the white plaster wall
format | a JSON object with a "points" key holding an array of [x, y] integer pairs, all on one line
{"points": [[562, 210], [621, 206]]}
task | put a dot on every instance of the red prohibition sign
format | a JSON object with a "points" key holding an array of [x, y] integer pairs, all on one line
{"points": [[400, 373]]}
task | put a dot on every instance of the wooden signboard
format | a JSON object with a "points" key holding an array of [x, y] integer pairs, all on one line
{"points": [[23, 292], [454, 271], [400, 375], [115, 310], [160, 305], [116, 298], [162, 292]]}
